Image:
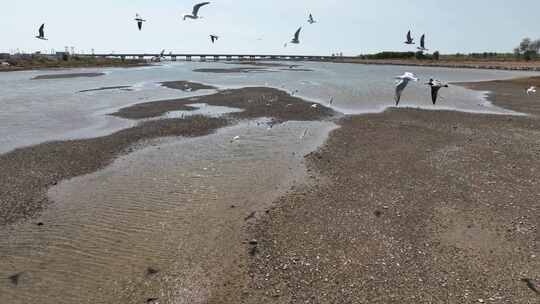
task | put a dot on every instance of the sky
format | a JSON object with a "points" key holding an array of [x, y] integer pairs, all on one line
{"points": [[262, 27]]}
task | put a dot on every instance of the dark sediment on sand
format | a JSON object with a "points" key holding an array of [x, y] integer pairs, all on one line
{"points": [[187, 86], [256, 102], [27, 173], [66, 76], [105, 89], [410, 206]]}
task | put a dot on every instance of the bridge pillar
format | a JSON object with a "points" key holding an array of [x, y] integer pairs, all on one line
{"points": [[173, 58], [252, 57], [216, 58], [123, 58], [188, 58], [229, 58], [141, 57], [203, 58]]}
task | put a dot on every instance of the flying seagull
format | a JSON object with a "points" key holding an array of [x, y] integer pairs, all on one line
{"points": [[139, 21], [410, 40], [422, 46], [531, 90], [435, 85], [311, 20], [214, 38], [195, 13], [41, 34], [402, 83], [296, 39]]}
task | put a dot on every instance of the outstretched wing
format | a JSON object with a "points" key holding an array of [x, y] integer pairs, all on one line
{"points": [[297, 34], [139, 23], [42, 30], [423, 41], [401, 85], [434, 93], [197, 7], [409, 38]]}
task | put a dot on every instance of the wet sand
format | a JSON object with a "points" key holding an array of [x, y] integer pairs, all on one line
{"points": [[29, 172], [411, 206], [187, 86], [105, 89], [66, 76]]}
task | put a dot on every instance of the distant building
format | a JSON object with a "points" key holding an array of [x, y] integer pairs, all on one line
{"points": [[5, 56]]}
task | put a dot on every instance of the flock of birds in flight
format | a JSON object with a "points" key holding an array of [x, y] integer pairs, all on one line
{"points": [[402, 81]]}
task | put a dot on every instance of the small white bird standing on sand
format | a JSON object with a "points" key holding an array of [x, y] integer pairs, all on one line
{"points": [[195, 13], [531, 90], [311, 20], [402, 83], [41, 32], [409, 40], [296, 38], [422, 46], [140, 21], [435, 85], [214, 38]]}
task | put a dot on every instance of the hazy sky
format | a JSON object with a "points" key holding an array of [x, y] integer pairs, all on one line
{"points": [[255, 26]]}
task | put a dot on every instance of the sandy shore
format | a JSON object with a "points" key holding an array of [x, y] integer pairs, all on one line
{"points": [[405, 206], [411, 206]]}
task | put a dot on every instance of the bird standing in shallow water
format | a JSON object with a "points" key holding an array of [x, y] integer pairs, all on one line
{"points": [[402, 83], [435, 85], [195, 13]]}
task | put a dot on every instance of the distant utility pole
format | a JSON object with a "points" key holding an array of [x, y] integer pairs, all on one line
{"points": [[73, 50], [66, 49]]}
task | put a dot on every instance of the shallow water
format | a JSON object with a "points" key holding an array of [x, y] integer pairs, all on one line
{"points": [[33, 111], [167, 206]]}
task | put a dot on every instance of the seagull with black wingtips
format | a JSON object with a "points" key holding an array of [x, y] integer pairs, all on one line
{"points": [[41, 32], [410, 40], [195, 13], [422, 46], [311, 20], [435, 85], [296, 38], [140, 21]]}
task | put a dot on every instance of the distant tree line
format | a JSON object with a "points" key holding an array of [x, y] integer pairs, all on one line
{"points": [[402, 55], [528, 49]]}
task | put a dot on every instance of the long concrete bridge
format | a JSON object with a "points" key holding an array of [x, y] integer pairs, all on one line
{"points": [[226, 57]]}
